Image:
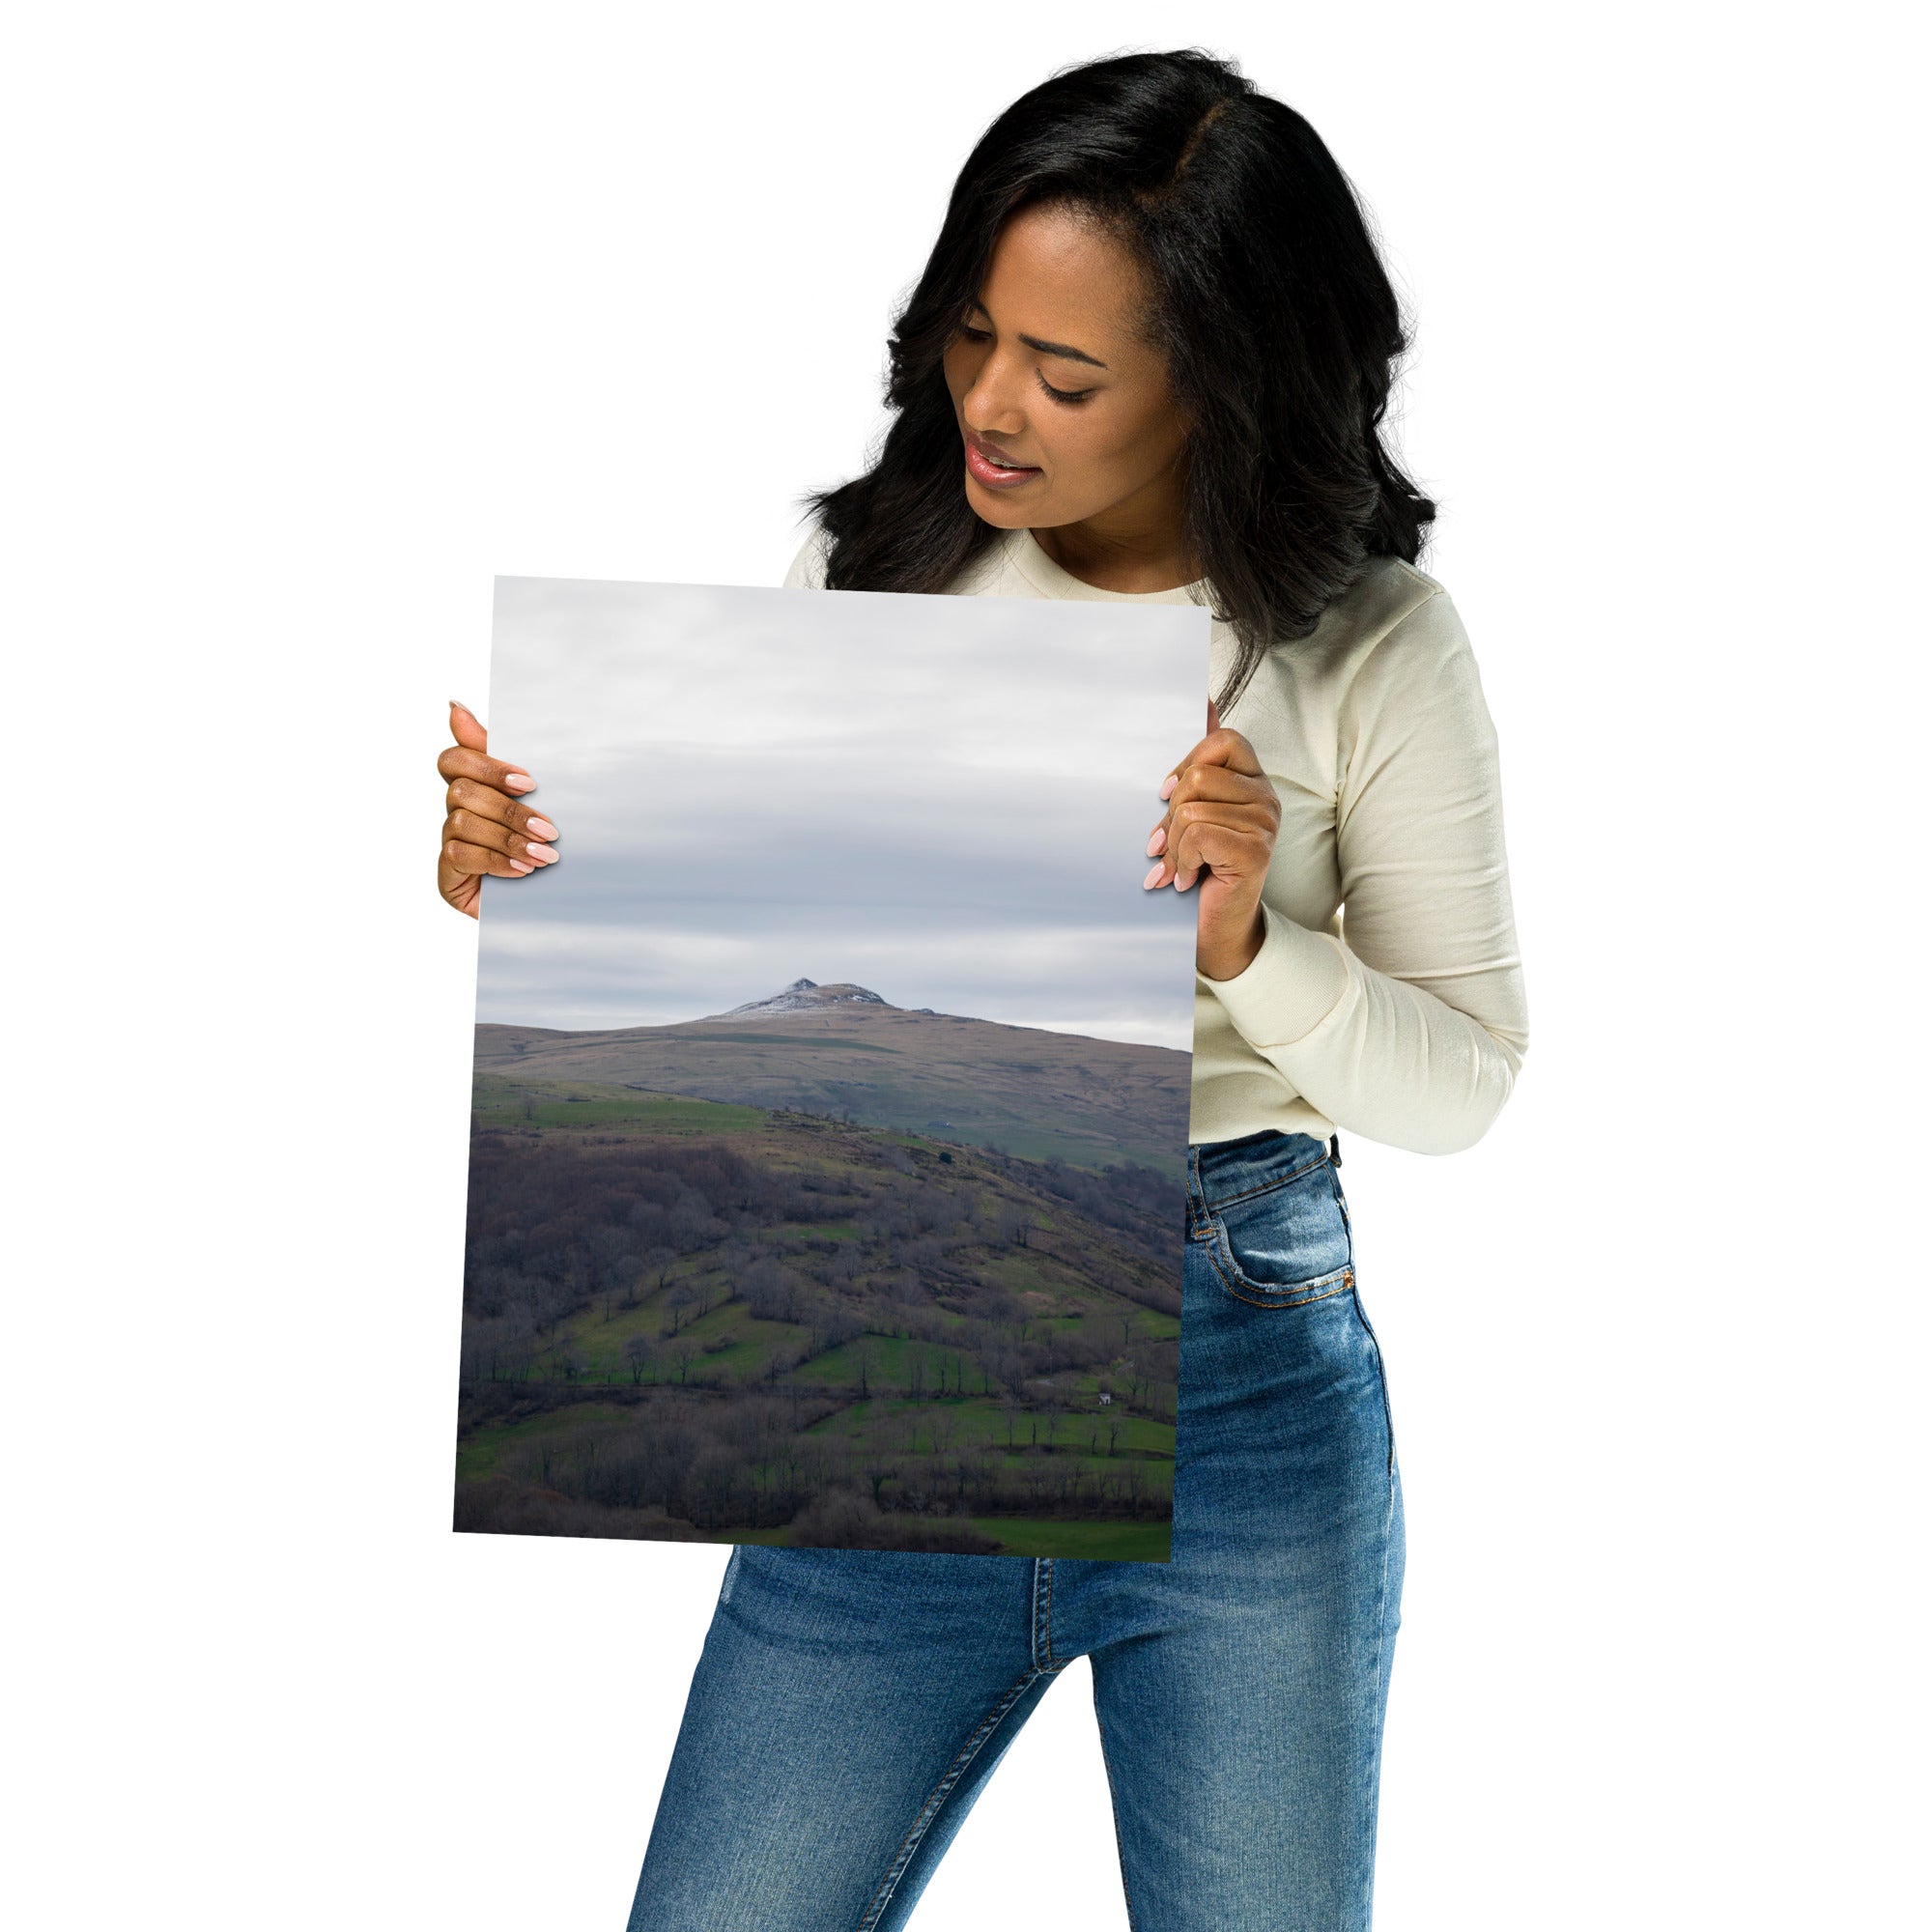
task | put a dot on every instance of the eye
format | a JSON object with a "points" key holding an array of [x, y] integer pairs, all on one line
{"points": [[1063, 395], [973, 334]]}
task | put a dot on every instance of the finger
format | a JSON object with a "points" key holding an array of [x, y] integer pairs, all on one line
{"points": [[486, 802], [1250, 821], [461, 890], [458, 762], [1257, 811], [1219, 748], [1164, 873], [1218, 837], [1221, 791], [1220, 782], [465, 727], [1233, 851], [472, 828], [460, 857]]}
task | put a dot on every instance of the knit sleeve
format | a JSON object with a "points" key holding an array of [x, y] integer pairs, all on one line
{"points": [[1412, 1025]]}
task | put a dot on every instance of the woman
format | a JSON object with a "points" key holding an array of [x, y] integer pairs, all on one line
{"points": [[1148, 360]]}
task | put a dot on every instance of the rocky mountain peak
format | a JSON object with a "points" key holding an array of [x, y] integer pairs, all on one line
{"points": [[807, 996]]}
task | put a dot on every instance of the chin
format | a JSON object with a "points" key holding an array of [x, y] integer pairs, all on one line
{"points": [[995, 508]]}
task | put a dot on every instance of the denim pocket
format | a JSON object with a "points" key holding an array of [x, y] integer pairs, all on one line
{"points": [[1284, 1242]]}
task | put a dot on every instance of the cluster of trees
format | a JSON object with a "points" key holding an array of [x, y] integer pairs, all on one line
{"points": [[749, 1465], [555, 1221], [896, 1264], [1000, 1349]]}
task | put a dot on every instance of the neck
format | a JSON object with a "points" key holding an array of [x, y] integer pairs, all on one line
{"points": [[1136, 545]]}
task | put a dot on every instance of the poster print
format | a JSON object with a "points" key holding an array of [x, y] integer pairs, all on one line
{"points": [[830, 1116]]}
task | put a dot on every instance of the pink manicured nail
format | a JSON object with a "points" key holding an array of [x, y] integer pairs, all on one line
{"points": [[540, 828], [518, 865], [1159, 839], [1153, 876], [519, 782], [543, 855], [1168, 784], [1180, 884]]}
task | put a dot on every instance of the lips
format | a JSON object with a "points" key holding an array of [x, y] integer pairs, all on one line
{"points": [[993, 467]]}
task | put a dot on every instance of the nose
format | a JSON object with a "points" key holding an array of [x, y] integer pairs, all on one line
{"points": [[990, 406]]}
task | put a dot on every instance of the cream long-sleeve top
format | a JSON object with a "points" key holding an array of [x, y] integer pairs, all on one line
{"points": [[1387, 997]]}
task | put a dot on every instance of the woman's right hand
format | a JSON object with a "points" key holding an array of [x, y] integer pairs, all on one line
{"points": [[488, 828]]}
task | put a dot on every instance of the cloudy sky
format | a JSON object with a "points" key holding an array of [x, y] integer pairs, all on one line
{"points": [[945, 799]]}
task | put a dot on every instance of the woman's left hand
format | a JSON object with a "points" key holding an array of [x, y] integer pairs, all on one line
{"points": [[1222, 817]]}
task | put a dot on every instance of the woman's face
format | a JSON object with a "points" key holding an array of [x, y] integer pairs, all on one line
{"points": [[1065, 408]]}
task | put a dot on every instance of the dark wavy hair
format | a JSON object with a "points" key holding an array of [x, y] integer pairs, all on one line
{"points": [[1270, 304]]}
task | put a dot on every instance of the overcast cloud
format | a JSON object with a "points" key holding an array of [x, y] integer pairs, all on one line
{"points": [[944, 799]]}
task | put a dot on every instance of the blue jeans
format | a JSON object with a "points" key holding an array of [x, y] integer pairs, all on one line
{"points": [[849, 1705]]}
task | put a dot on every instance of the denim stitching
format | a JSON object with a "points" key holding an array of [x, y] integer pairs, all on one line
{"points": [[1043, 1619], [1291, 1295], [1342, 1286], [909, 1844]]}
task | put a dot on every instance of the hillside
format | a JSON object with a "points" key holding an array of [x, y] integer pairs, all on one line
{"points": [[698, 1321], [843, 1051]]}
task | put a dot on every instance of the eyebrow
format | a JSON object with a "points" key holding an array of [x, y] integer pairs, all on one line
{"points": [[1062, 349], [1067, 349]]}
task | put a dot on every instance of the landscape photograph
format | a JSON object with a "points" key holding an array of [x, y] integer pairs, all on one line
{"points": [[755, 1258]]}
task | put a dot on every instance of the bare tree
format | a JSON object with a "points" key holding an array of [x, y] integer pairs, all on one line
{"points": [[1054, 1404]]}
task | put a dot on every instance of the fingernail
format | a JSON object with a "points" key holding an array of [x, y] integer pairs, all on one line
{"points": [[518, 865], [543, 854], [1158, 841], [457, 704], [1168, 784], [1152, 877], [540, 828], [1181, 885], [519, 782]]}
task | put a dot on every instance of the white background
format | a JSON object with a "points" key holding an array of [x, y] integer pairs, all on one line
{"points": [[320, 315]]}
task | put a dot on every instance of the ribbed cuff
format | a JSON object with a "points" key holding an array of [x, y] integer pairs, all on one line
{"points": [[1288, 988]]}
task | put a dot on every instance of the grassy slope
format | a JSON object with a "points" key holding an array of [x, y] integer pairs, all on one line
{"points": [[1029, 1091], [1057, 1292]]}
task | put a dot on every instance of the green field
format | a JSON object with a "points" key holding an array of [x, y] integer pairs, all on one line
{"points": [[1042, 1536], [1028, 1092], [1116, 1542], [577, 1104], [935, 1329], [477, 1455]]}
